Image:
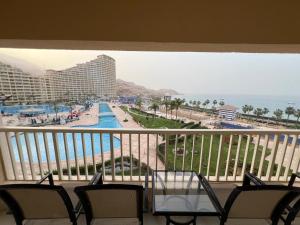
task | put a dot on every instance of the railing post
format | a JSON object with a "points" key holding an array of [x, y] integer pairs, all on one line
{"points": [[273, 157], [237, 156], [4, 155], [57, 156], [112, 156], [148, 154], [3, 176], [290, 159], [166, 151], [209, 155], [228, 157], [6, 169], [245, 156], [284, 147], [219, 158]]}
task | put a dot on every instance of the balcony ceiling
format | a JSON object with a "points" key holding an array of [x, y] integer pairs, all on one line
{"points": [[169, 25]]}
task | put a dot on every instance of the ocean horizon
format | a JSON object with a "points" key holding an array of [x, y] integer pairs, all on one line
{"points": [[257, 101]]}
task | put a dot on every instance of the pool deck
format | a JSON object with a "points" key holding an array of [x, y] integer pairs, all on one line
{"points": [[87, 118]]}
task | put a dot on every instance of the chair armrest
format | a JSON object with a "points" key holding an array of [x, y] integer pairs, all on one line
{"points": [[250, 178], [211, 194], [49, 176], [293, 178], [96, 179]]}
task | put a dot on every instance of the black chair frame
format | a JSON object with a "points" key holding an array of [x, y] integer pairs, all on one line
{"points": [[258, 185], [295, 209], [16, 210]]}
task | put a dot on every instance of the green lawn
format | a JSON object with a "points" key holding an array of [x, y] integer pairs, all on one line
{"points": [[157, 122], [148, 121], [214, 155]]}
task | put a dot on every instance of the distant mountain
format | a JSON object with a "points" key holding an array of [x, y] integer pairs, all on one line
{"points": [[21, 64], [125, 88]]}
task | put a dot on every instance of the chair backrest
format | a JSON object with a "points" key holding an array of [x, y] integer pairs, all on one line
{"points": [[111, 201], [259, 202], [36, 201]]}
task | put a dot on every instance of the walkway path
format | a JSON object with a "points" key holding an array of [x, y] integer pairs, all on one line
{"points": [[131, 124]]}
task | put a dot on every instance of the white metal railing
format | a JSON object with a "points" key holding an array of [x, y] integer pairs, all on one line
{"points": [[128, 154]]}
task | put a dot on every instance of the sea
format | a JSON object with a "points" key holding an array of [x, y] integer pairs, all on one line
{"points": [[257, 101]]}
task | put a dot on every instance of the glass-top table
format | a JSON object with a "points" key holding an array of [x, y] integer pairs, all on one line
{"points": [[181, 193]]}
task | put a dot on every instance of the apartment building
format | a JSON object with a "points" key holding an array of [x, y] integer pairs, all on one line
{"points": [[95, 78], [23, 87]]}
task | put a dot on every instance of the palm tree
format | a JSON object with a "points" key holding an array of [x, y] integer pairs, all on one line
{"points": [[154, 106], [250, 108], [70, 104], [265, 111], [297, 114], [245, 108], [289, 111], [166, 104], [178, 103], [215, 102], [221, 103], [198, 104], [207, 101], [55, 105], [190, 102], [278, 114], [258, 112], [172, 106], [139, 103]]}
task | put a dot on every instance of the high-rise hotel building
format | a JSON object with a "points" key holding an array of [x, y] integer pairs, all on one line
{"points": [[23, 87], [94, 78]]}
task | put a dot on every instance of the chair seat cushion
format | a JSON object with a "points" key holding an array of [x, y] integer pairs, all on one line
{"points": [[116, 221]]}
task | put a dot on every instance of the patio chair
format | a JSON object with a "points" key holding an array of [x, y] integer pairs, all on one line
{"points": [[112, 204], [293, 210], [36, 202], [258, 201]]}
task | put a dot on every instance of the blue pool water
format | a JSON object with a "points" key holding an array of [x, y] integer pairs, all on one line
{"points": [[107, 121], [15, 109], [233, 126]]}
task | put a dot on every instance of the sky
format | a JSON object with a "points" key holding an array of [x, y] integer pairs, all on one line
{"points": [[185, 72]]}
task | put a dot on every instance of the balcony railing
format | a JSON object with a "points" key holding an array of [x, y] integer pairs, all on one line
{"points": [[128, 154]]}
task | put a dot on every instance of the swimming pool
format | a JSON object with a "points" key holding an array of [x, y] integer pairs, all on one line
{"points": [[107, 121], [46, 108], [225, 125]]}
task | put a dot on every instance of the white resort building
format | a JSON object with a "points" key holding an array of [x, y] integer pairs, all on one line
{"points": [[227, 112], [94, 78]]}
